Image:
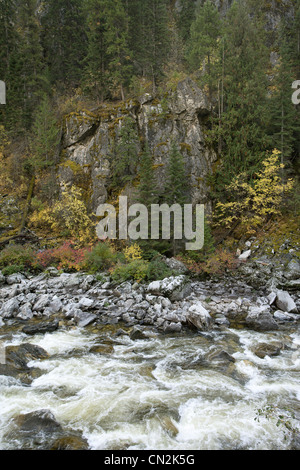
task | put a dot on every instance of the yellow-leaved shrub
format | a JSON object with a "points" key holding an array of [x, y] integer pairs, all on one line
{"points": [[69, 214], [251, 204]]}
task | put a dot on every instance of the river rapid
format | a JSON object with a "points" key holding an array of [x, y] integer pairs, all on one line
{"points": [[163, 392]]}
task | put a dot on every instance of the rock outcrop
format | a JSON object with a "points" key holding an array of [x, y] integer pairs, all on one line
{"points": [[89, 139]]}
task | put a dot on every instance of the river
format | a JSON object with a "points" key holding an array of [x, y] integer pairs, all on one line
{"points": [[170, 391]]}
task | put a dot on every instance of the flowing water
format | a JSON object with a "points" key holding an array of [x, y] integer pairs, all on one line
{"points": [[162, 392]]}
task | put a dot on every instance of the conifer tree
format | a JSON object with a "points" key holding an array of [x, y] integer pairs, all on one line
{"points": [[124, 158], [176, 188], [285, 122], [108, 62], [118, 52], [242, 127], [202, 52], [176, 184], [147, 189], [64, 40], [30, 49], [10, 65], [44, 136], [149, 38]]}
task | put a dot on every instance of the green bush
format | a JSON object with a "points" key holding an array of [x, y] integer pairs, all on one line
{"points": [[157, 269], [13, 269], [17, 256], [101, 257], [136, 269]]}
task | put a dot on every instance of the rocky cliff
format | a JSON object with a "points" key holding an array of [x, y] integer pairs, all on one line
{"points": [[90, 137]]}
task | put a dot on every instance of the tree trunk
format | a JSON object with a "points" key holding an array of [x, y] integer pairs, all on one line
{"points": [[28, 202]]}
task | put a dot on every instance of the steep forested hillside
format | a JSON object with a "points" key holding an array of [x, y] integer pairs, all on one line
{"points": [[76, 57]]}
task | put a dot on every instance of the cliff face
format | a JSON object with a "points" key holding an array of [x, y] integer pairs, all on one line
{"points": [[89, 139]]}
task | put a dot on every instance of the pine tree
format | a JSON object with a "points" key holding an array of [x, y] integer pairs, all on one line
{"points": [[176, 183], [30, 49], [202, 52], [242, 125], [118, 52], [185, 16], [96, 63], [124, 159], [157, 39], [285, 125], [175, 189], [147, 190], [64, 40], [45, 136], [108, 62], [10, 65]]}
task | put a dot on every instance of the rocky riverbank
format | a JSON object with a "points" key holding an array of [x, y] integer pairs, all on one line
{"points": [[252, 298]]}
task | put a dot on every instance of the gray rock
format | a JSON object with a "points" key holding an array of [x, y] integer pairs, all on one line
{"points": [[85, 302], [285, 302], [42, 302], [52, 271], [292, 270], [16, 359], [172, 327], [54, 307], [260, 319], [10, 308], [176, 265], [267, 349], [283, 316], [25, 312], [245, 255], [138, 333], [84, 318], [174, 287], [41, 421], [272, 297], [41, 327], [15, 279], [2, 278], [199, 317]]}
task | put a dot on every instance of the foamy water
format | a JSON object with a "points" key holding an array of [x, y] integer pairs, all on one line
{"points": [[156, 393]]}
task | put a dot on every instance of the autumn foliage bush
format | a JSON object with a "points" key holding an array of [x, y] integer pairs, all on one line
{"points": [[65, 257]]}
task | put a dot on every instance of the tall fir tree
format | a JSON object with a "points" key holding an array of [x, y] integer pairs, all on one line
{"points": [[124, 158], [241, 127], [95, 78], [10, 65], [45, 135], [149, 38], [284, 125], [64, 41], [108, 62], [32, 79], [118, 51], [176, 191], [147, 190], [203, 48]]}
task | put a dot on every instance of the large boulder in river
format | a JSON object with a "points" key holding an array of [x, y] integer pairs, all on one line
{"points": [[174, 287], [198, 317], [40, 430], [41, 327], [16, 359], [260, 318], [285, 302]]}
